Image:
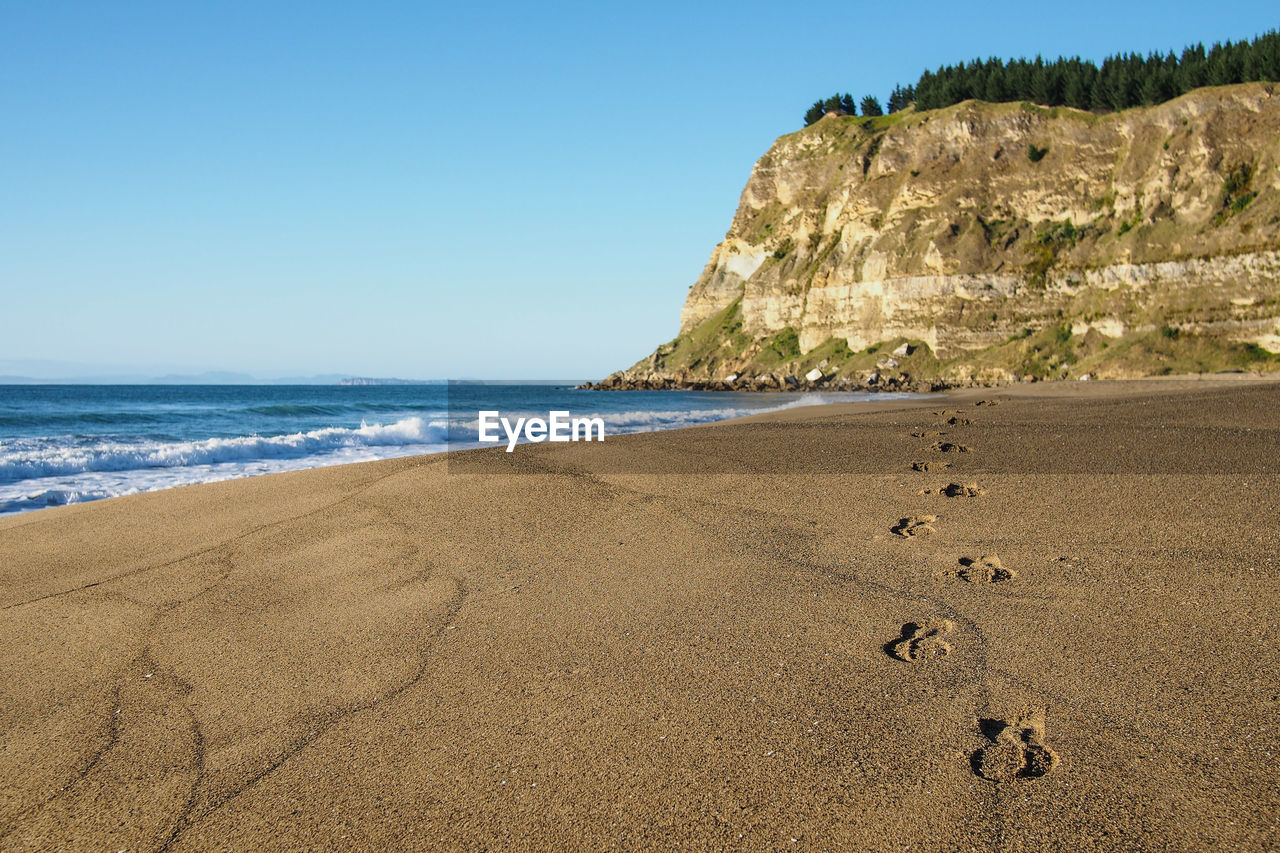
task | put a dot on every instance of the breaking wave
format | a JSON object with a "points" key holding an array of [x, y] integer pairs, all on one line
{"points": [[27, 459], [57, 457]]}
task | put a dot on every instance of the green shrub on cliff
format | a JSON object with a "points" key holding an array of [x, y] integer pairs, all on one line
{"points": [[1236, 194], [781, 348]]}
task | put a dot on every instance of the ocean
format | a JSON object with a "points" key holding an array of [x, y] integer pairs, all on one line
{"points": [[62, 444]]}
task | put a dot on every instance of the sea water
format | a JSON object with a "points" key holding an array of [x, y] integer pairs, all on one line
{"points": [[62, 444]]}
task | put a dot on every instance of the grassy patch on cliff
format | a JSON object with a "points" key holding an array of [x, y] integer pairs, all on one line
{"points": [[1169, 351], [834, 351], [835, 358], [708, 346], [875, 124], [718, 347], [1054, 352], [1237, 192], [1047, 353], [777, 350]]}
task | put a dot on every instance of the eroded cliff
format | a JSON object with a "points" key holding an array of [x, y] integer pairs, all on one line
{"points": [[997, 241]]}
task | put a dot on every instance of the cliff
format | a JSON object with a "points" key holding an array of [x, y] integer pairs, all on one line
{"points": [[989, 242]]}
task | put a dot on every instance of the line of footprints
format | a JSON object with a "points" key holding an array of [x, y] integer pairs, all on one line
{"points": [[1015, 747]]}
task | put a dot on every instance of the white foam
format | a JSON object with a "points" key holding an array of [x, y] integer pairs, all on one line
{"points": [[39, 473], [51, 471], [36, 459]]}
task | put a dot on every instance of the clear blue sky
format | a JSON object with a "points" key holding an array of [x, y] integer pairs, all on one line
{"points": [[430, 190]]}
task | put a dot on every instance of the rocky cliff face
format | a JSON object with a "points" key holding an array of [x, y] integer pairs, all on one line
{"points": [[998, 239]]}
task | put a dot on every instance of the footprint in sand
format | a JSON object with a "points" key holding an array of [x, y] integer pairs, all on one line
{"points": [[922, 640], [958, 421], [1016, 751], [926, 433], [987, 403], [984, 569], [949, 447], [956, 490], [915, 525], [944, 412], [930, 466]]}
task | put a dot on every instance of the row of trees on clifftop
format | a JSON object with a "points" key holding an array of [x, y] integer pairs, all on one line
{"points": [[1124, 80]]}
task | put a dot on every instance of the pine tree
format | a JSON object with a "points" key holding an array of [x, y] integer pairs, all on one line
{"points": [[896, 101], [871, 106], [847, 106], [1076, 92], [1192, 68], [901, 98], [1158, 87], [1017, 77], [994, 86]]}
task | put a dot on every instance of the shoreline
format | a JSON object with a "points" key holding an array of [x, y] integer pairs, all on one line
{"points": [[1189, 380], [1066, 638], [870, 401], [38, 473]]}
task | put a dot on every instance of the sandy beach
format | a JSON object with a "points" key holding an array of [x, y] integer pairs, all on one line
{"points": [[1028, 618]]}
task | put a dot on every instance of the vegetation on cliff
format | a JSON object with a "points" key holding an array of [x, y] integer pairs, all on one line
{"points": [[1123, 80], [1058, 351]]}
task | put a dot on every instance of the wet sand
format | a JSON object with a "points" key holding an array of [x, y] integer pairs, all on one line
{"points": [[1067, 639]]}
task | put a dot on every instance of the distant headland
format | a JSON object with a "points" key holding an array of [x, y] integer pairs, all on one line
{"points": [[982, 243]]}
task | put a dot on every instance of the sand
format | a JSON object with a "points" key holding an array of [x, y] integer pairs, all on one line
{"points": [[629, 646]]}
